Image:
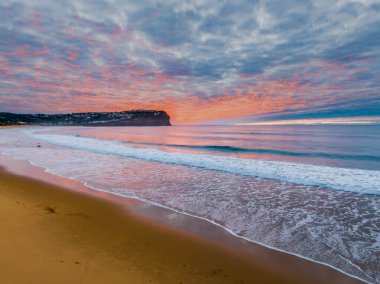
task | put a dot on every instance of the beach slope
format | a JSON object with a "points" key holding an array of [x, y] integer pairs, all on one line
{"points": [[52, 235]]}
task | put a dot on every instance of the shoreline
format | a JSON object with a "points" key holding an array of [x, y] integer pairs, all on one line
{"points": [[296, 268], [52, 235]]}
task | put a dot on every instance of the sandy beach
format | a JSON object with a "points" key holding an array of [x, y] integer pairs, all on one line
{"points": [[51, 235]]}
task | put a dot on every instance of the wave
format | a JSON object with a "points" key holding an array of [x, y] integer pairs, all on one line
{"points": [[355, 180], [233, 149], [259, 133]]}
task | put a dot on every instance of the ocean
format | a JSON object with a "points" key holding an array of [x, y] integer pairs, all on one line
{"points": [[312, 191]]}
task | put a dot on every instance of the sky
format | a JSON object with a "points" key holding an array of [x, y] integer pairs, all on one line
{"points": [[202, 61]]}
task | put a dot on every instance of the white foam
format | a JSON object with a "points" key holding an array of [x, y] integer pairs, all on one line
{"points": [[355, 180]]}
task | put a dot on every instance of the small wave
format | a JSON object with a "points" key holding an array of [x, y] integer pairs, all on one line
{"points": [[356, 180], [233, 149], [259, 133]]}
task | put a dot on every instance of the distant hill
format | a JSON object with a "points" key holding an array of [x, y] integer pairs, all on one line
{"points": [[124, 118]]}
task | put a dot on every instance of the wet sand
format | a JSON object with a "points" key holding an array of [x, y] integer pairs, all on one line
{"points": [[49, 234]]}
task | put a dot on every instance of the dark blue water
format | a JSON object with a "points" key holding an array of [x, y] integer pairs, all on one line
{"points": [[349, 146]]}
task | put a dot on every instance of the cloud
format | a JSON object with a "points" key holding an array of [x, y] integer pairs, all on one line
{"points": [[200, 60]]}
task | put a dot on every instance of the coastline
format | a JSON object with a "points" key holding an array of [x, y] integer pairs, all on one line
{"points": [[201, 243]]}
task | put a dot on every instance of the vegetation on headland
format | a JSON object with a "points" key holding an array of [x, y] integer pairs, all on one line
{"points": [[124, 118]]}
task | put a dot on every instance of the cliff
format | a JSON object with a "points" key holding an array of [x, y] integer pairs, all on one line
{"points": [[124, 118]]}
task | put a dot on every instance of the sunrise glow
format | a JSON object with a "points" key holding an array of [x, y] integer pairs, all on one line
{"points": [[169, 57]]}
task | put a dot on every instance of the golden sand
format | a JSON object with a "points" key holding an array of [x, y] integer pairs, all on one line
{"points": [[52, 235], [49, 234]]}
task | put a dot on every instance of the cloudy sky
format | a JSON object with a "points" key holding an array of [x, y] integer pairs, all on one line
{"points": [[200, 60]]}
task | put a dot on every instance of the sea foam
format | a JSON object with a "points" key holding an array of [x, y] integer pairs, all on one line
{"points": [[355, 180]]}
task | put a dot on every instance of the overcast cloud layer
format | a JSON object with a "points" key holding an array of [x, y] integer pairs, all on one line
{"points": [[199, 60]]}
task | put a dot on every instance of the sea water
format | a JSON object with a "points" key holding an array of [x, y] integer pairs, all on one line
{"points": [[313, 191]]}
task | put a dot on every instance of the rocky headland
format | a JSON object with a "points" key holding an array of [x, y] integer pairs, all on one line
{"points": [[124, 118]]}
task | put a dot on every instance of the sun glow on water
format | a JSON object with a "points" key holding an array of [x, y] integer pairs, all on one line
{"points": [[345, 121]]}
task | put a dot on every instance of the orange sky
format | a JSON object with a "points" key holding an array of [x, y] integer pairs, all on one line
{"points": [[198, 68]]}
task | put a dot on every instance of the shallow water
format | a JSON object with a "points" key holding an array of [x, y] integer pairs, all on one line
{"points": [[317, 206]]}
